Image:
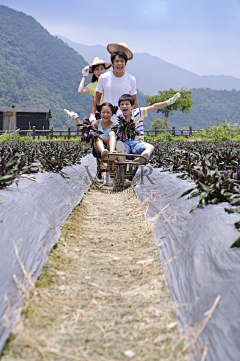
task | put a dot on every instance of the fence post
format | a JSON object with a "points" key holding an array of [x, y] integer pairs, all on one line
{"points": [[34, 133], [190, 130], [156, 132], [69, 132], [173, 131], [51, 132]]}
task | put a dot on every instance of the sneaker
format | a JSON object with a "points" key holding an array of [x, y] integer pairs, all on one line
{"points": [[105, 151], [112, 155], [121, 149], [141, 160]]}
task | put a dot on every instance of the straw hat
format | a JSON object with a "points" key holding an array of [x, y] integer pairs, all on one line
{"points": [[98, 61], [122, 46]]}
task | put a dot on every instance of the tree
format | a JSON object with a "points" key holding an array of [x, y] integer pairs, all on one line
{"points": [[184, 103], [159, 123]]}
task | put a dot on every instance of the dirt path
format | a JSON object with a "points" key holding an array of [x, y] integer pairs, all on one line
{"points": [[101, 295]]}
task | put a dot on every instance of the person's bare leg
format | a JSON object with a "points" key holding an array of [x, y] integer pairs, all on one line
{"points": [[111, 145], [111, 141], [148, 149], [99, 146]]}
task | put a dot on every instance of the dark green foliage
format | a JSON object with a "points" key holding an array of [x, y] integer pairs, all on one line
{"points": [[39, 70], [49, 156], [89, 132], [12, 164], [184, 103], [125, 129], [213, 166], [236, 243], [159, 123]]}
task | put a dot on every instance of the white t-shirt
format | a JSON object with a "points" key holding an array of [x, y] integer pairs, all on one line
{"points": [[113, 87]]}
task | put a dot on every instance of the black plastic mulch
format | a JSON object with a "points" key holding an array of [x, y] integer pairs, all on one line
{"points": [[205, 267], [32, 216]]}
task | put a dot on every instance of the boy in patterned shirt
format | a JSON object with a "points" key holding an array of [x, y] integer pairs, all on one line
{"points": [[138, 146]]}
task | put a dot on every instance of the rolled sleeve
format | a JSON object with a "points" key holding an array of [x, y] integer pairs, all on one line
{"points": [[144, 112]]}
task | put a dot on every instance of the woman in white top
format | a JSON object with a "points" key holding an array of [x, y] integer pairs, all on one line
{"points": [[97, 68]]}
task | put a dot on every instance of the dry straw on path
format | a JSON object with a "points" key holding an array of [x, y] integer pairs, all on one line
{"points": [[101, 295]]}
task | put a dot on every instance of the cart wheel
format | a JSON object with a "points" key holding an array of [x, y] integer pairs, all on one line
{"points": [[119, 179], [121, 175], [134, 171], [98, 175]]}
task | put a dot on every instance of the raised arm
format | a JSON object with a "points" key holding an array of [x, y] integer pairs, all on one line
{"points": [[160, 105], [81, 88]]}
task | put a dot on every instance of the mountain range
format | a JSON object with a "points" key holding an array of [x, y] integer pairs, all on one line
{"points": [[153, 74]]}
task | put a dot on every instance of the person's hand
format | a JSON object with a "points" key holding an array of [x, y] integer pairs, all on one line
{"points": [[71, 114], [85, 71], [92, 117], [173, 99]]}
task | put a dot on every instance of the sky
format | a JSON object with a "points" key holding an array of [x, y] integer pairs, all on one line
{"points": [[202, 36]]}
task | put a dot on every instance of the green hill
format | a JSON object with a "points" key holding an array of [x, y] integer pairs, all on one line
{"points": [[37, 69], [40, 70], [210, 106]]}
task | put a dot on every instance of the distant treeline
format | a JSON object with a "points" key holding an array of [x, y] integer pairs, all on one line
{"points": [[211, 107]]}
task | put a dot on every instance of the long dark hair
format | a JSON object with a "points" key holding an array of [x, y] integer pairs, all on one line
{"points": [[94, 78], [113, 108]]}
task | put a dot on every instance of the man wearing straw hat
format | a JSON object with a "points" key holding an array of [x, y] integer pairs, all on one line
{"points": [[112, 85]]}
